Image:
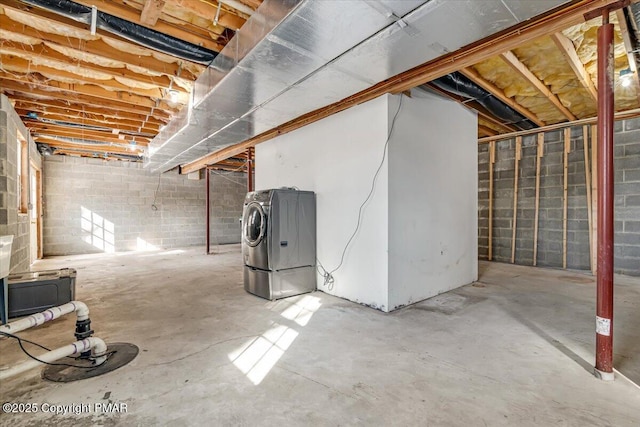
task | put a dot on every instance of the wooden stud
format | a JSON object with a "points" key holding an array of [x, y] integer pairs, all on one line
{"points": [[492, 160], [539, 156], [587, 180], [594, 197], [565, 193], [518, 155]]}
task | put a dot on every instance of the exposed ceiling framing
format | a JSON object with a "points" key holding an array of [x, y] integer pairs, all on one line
{"points": [[71, 86]]}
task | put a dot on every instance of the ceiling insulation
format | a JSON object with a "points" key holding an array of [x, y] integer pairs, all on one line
{"points": [[546, 61], [48, 26], [18, 38], [79, 55], [37, 60]]}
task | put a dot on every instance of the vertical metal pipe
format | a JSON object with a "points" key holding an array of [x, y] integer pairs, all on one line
{"points": [[208, 209], [604, 303], [250, 169]]}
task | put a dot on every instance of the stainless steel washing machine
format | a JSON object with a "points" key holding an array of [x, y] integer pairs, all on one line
{"points": [[279, 242]]}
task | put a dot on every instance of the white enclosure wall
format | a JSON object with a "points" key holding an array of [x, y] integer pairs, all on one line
{"points": [[433, 200], [337, 157], [418, 235]]}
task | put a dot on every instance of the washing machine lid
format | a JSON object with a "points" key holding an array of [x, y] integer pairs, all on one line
{"points": [[254, 224]]}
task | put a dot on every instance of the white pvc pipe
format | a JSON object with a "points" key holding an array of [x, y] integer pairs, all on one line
{"points": [[81, 309], [98, 346]]}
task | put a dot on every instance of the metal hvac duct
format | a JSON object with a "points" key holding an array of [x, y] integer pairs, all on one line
{"points": [[294, 56]]}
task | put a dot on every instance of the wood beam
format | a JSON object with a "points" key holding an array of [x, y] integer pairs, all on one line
{"points": [[100, 48], [474, 76], [27, 71], [20, 55], [37, 136], [89, 90], [71, 132], [545, 24], [90, 105], [130, 14], [112, 132], [226, 19], [568, 50], [98, 148], [512, 60], [151, 11], [79, 153], [78, 111], [149, 131]]}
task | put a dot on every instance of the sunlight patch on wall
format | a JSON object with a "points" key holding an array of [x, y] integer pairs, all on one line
{"points": [[97, 231]]}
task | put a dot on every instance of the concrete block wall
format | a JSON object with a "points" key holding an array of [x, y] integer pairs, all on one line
{"points": [[91, 205], [627, 237], [12, 222]]}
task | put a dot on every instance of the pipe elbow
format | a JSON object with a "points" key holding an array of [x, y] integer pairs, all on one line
{"points": [[82, 311], [99, 349]]}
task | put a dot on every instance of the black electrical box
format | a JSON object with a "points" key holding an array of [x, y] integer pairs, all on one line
{"points": [[36, 291]]}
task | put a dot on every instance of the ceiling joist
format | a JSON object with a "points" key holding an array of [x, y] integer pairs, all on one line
{"points": [[472, 75], [198, 38], [50, 61], [79, 118], [151, 11], [106, 115], [143, 115], [568, 50], [79, 89], [102, 50], [512, 60], [106, 147]]}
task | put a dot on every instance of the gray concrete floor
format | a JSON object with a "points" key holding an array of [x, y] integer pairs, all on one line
{"points": [[516, 348]]}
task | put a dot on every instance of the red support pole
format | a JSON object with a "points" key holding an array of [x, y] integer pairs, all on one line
{"points": [[250, 169], [208, 209], [604, 303]]}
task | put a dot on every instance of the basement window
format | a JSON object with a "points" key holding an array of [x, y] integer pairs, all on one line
{"points": [[22, 178]]}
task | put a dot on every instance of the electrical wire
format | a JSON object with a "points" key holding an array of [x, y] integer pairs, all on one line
{"points": [[155, 194], [24, 350], [329, 280]]}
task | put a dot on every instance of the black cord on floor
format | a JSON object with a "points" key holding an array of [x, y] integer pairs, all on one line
{"points": [[328, 275], [20, 340]]}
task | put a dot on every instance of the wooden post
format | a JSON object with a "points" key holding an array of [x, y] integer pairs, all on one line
{"points": [[565, 194], [492, 160], [517, 156], [539, 156], [594, 197], [587, 184]]}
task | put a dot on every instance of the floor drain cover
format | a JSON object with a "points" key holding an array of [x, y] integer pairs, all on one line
{"points": [[124, 353]]}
